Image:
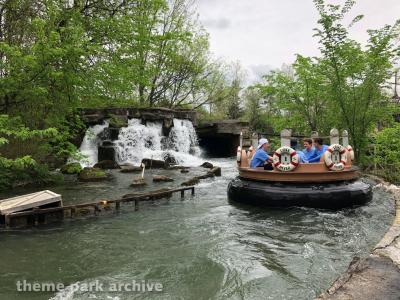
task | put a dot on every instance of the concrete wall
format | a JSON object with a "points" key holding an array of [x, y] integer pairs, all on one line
{"points": [[378, 275], [221, 138]]}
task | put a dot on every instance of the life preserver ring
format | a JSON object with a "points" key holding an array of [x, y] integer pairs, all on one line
{"points": [[350, 151], [239, 154], [335, 157], [286, 159]]}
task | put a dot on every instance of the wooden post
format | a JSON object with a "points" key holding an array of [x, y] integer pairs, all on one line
{"points": [[334, 135], [136, 205], [7, 221], [73, 211], [285, 138], [143, 167], [192, 191], [182, 194], [96, 209], [241, 141], [345, 138], [254, 140]]}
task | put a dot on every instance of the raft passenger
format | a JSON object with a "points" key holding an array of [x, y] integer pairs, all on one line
{"points": [[320, 149], [308, 152], [261, 157]]}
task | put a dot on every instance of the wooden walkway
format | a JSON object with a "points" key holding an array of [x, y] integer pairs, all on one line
{"points": [[29, 201], [38, 216]]}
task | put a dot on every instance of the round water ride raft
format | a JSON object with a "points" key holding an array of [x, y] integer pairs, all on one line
{"points": [[331, 183]]}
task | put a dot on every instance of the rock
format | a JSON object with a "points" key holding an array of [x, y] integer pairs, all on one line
{"points": [[154, 164], [117, 121], [177, 168], [169, 159], [106, 153], [128, 168], [138, 181], [207, 165], [71, 168], [107, 164], [183, 171], [162, 178], [111, 133], [207, 175], [92, 175], [168, 123], [192, 181], [216, 171]]}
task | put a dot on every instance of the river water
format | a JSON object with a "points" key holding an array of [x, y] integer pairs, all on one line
{"points": [[201, 248]]}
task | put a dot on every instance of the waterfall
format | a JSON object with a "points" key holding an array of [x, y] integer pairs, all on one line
{"points": [[90, 143], [137, 141]]}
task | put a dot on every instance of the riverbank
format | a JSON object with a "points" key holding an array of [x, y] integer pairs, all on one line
{"points": [[378, 275]]}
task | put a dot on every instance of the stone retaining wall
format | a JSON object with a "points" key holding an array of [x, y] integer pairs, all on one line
{"points": [[93, 116], [378, 275]]}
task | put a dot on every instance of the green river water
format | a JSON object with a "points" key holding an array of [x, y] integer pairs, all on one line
{"points": [[201, 248]]}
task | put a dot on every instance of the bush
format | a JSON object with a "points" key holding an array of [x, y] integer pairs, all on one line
{"points": [[387, 153]]}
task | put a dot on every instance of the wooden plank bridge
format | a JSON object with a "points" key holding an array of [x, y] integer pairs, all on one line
{"points": [[44, 215]]}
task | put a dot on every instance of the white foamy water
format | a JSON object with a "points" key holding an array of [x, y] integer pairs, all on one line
{"points": [[89, 146], [138, 141]]}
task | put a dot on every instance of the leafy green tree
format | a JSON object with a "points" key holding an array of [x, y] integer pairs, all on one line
{"points": [[386, 154], [356, 77]]}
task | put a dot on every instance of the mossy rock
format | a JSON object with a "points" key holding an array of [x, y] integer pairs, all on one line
{"points": [[72, 168], [92, 174], [116, 121]]}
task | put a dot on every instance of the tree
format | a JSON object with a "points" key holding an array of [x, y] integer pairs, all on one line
{"points": [[356, 77]]}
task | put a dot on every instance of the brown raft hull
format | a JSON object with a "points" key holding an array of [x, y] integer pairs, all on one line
{"points": [[304, 173], [332, 195]]}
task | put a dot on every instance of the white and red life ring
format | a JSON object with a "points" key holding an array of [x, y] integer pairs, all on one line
{"points": [[286, 159], [335, 157], [350, 151]]}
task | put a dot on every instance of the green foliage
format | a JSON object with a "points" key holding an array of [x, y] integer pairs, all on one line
{"points": [[386, 154], [71, 168], [24, 169], [344, 88]]}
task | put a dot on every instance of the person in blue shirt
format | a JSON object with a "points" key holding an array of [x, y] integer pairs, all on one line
{"points": [[309, 150], [320, 149], [261, 157]]}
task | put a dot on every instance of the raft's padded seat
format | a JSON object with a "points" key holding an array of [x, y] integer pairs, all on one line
{"points": [[244, 162]]}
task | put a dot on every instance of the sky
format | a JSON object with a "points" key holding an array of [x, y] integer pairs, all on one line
{"points": [[265, 34]]}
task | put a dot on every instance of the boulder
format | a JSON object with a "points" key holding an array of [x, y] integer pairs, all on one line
{"points": [[107, 164], [177, 168], [92, 175], [207, 175], [106, 152], [207, 165], [117, 121], [168, 123], [192, 181], [128, 168], [169, 159], [154, 164], [138, 181], [71, 168], [162, 178], [183, 171], [216, 171]]}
